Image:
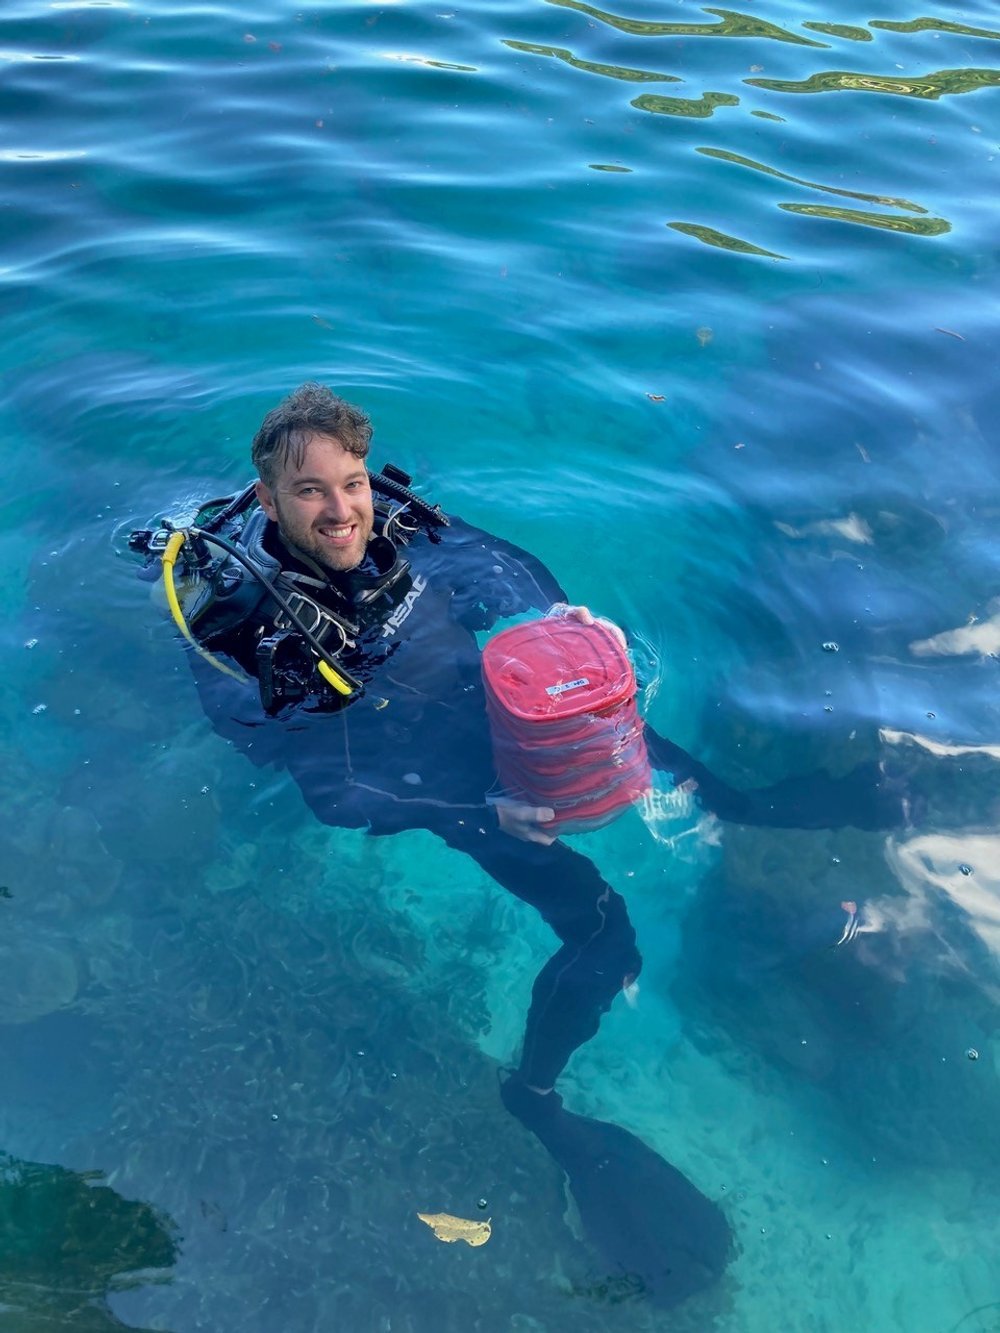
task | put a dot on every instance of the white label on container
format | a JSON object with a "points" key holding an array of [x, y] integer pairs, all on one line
{"points": [[567, 685]]}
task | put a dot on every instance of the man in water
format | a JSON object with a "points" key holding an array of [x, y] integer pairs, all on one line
{"points": [[413, 750], [394, 736]]}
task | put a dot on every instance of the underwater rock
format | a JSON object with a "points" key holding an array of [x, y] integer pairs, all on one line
{"points": [[54, 859], [35, 979], [80, 857], [68, 1239], [169, 819]]}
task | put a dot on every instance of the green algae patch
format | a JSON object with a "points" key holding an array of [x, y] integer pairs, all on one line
{"points": [[722, 241]]}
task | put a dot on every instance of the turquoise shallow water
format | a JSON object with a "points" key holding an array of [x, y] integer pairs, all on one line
{"points": [[700, 305]]}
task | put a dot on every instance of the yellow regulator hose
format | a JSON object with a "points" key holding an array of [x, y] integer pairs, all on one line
{"points": [[177, 539], [333, 678], [170, 554]]}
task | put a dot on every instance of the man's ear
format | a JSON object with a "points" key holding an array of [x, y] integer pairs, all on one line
{"points": [[266, 500]]}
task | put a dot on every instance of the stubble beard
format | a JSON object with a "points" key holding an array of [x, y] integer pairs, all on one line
{"points": [[308, 544]]}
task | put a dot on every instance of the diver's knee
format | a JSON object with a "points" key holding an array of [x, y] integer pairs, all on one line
{"points": [[618, 934]]}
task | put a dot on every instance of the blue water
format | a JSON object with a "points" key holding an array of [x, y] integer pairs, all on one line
{"points": [[699, 305]]}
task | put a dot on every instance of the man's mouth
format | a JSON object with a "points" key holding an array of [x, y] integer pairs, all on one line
{"points": [[342, 534]]}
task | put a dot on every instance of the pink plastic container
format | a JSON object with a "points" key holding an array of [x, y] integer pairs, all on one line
{"points": [[566, 731]]}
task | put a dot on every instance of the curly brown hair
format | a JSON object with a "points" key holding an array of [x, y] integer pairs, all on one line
{"points": [[311, 409]]}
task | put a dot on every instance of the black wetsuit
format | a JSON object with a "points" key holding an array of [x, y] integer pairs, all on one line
{"points": [[414, 752]]}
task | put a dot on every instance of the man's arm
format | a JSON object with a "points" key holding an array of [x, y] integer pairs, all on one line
{"points": [[494, 579], [507, 580], [863, 798]]}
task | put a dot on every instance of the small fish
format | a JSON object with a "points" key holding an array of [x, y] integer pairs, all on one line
{"points": [[851, 925]]}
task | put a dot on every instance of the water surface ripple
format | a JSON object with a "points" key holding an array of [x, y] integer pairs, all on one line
{"points": [[700, 305]]}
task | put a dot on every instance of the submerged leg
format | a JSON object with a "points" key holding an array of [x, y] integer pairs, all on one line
{"points": [[653, 1229], [598, 954]]}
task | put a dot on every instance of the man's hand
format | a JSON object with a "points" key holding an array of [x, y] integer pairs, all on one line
{"points": [[526, 822], [586, 617]]}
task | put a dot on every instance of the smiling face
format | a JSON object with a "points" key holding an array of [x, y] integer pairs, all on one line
{"points": [[323, 505]]}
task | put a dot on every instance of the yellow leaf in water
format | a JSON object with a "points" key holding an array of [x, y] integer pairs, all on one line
{"points": [[449, 1228]]}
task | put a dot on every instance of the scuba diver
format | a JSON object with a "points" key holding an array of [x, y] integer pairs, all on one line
{"points": [[354, 606]]}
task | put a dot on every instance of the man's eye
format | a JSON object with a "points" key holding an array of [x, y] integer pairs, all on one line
{"points": [[309, 490]]}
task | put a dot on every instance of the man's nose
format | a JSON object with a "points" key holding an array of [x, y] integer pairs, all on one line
{"points": [[337, 506]]}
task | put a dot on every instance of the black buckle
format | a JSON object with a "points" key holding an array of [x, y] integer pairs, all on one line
{"points": [[316, 619], [149, 541]]}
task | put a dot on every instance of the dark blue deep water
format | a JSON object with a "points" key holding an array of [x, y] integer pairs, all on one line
{"points": [[698, 304]]}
